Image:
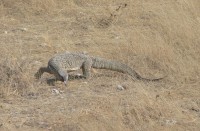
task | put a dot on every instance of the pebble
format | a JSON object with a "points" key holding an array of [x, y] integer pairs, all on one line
{"points": [[120, 87]]}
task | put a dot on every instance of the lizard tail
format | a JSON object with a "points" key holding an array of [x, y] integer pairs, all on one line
{"points": [[101, 63]]}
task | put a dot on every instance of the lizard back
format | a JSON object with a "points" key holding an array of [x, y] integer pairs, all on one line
{"points": [[67, 61]]}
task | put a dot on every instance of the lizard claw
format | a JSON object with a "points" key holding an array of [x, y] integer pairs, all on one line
{"points": [[65, 83]]}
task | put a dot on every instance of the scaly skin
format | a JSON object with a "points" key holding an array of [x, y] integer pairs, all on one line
{"points": [[61, 64]]}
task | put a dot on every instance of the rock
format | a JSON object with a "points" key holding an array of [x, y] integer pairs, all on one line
{"points": [[120, 87]]}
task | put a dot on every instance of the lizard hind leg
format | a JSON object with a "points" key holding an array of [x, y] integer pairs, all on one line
{"points": [[86, 68]]}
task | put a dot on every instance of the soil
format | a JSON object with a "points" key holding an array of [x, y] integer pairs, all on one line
{"points": [[156, 38]]}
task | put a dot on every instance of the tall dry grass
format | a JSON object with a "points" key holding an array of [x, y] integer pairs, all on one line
{"points": [[156, 38], [166, 34]]}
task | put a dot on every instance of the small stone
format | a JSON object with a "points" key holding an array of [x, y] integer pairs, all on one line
{"points": [[43, 44], [79, 74], [24, 29], [55, 91], [120, 87]]}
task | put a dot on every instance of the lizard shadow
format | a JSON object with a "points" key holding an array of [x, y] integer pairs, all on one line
{"points": [[70, 78]]}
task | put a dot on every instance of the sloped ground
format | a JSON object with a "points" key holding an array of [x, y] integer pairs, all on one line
{"points": [[157, 38]]}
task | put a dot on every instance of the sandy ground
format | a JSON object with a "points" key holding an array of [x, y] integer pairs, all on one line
{"points": [[156, 38]]}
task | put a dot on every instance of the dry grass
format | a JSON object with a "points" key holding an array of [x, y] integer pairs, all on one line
{"points": [[156, 38]]}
